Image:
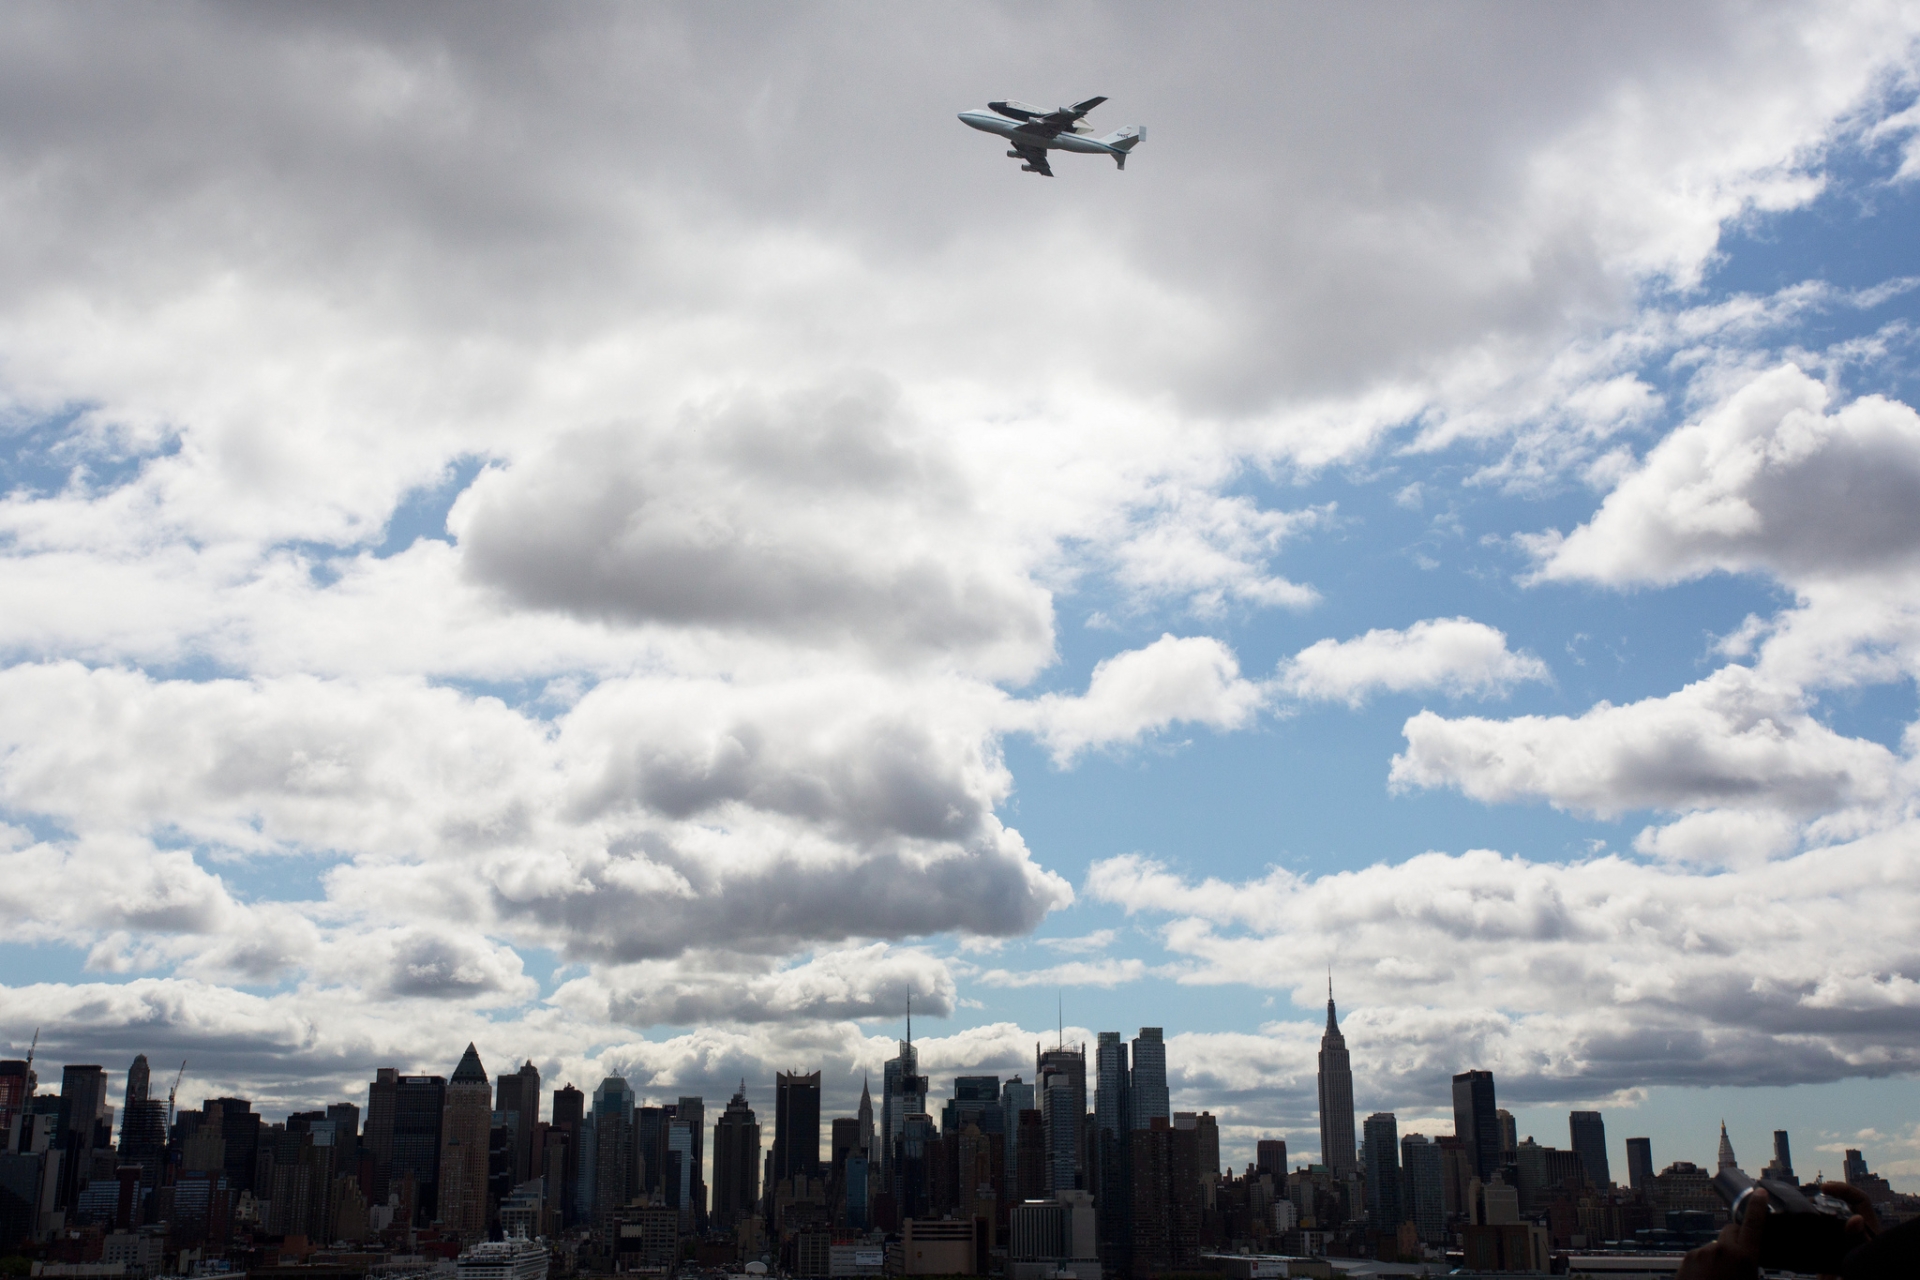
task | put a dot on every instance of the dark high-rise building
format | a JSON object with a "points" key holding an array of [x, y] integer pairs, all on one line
{"points": [[466, 1141], [865, 1117], [1015, 1097], [1336, 1098], [13, 1091], [1587, 1135], [1147, 1098], [913, 1166], [419, 1103], [613, 1139], [83, 1103], [692, 1111], [240, 1130], [1030, 1139], [736, 1163], [1476, 1120], [903, 1092], [1108, 1162], [1112, 1078], [1270, 1156], [1384, 1211], [143, 1127], [1060, 1084], [796, 1125], [1640, 1164], [379, 1141], [649, 1174], [569, 1117], [1166, 1200], [1781, 1166], [346, 1124], [520, 1094], [1423, 1176]]}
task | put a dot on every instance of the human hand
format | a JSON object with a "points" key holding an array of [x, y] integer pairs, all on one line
{"points": [[1736, 1254]]}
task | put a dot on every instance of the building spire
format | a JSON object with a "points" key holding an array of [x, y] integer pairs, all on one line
{"points": [[909, 1019], [1333, 1027]]}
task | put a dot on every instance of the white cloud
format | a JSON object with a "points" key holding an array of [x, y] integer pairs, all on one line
{"points": [[1074, 973], [1565, 979], [1455, 656], [1190, 679], [1767, 480], [1732, 740]]}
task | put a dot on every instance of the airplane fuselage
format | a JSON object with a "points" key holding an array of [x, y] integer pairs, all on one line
{"points": [[1065, 140]]}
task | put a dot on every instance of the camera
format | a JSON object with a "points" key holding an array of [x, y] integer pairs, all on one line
{"points": [[1802, 1233]]}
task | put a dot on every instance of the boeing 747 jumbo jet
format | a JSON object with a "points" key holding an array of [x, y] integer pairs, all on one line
{"points": [[1034, 132]]}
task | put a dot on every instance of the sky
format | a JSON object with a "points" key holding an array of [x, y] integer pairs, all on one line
{"points": [[629, 536]]}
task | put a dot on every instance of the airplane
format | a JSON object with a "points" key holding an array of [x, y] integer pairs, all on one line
{"points": [[1034, 132]]}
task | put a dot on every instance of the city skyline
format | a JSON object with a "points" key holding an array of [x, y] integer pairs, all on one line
{"points": [[513, 532]]}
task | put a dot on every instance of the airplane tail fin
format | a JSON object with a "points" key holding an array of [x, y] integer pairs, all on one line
{"points": [[1125, 140]]}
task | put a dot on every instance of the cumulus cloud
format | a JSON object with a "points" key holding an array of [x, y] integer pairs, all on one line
{"points": [[1455, 656], [1732, 740], [1563, 978], [1074, 973], [861, 982], [819, 518], [1768, 480], [1176, 679]]}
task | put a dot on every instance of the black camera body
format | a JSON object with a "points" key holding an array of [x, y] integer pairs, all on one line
{"points": [[1802, 1233]]}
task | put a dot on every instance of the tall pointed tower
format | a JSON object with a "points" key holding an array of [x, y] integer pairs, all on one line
{"points": [[1726, 1149], [465, 1131], [1336, 1098], [866, 1119]]}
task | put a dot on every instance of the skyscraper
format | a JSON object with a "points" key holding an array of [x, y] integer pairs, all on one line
{"points": [[1640, 1164], [903, 1092], [419, 1106], [693, 1110], [1782, 1164], [1336, 1098], [83, 1103], [1015, 1096], [612, 1148], [1147, 1098], [1588, 1136], [1060, 1077], [1111, 1113], [796, 1125], [143, 1127], [1383, 1172], [380, 1098], [466, 1134], [520, 1094], [1270, 1156], [736, 1163], [1476, 1120], [1423, 1174], [865, 1117], [1725, 1157]]}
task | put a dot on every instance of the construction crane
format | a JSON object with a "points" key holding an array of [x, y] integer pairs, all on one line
{"points": [[173, 1092]]}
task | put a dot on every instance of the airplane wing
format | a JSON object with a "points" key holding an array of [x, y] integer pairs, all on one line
{"points": [[1066, 117], [1035, 156]]}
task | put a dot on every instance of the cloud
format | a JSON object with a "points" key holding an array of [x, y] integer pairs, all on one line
{"points": [[706, 987], [1731, 740], [822, 517], [1455, 656], [1566, 979], [1192, 679], [1766, 481], [1074, 973]]}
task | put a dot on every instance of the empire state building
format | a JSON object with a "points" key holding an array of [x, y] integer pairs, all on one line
{"points": [[1336, 1099]]}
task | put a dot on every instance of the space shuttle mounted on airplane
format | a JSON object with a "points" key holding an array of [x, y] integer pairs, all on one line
{"points": [[1034, 132]]}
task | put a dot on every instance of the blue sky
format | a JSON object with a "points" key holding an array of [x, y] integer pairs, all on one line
{"points": [[595, 562]]}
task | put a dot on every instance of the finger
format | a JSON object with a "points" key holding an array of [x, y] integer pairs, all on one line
{"points": [[1854, 1196], [1746, 1240]]}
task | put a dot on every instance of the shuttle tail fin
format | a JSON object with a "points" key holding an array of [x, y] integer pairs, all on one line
{"points": [[1125, 140]]}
